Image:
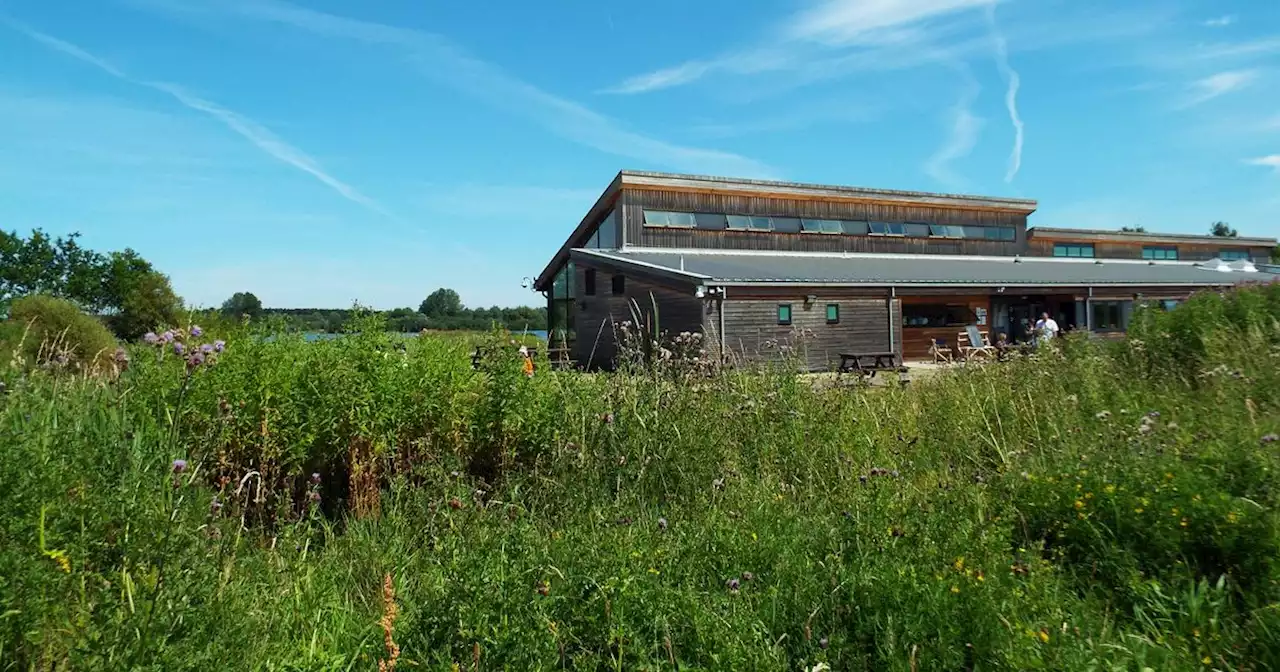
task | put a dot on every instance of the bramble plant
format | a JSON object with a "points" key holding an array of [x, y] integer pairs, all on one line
{"points": [[376, 500]]}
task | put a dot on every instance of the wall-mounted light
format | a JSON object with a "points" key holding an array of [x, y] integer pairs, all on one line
{"points": [[810, 299], [699, 292], [526, 282]]}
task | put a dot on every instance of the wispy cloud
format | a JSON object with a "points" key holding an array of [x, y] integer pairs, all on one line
{"points": [[256, 134], [962, 137], [1221, 21], [1271, 161], [1013, 81], [858, 22], [436, 57], [1220, 84], [663, 79]]}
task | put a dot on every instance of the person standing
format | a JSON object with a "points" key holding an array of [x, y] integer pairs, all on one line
{"points": [[1046, 329]]}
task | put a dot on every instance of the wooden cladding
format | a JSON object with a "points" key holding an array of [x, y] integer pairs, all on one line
{"points": [[753, 334], [633, 203], [599, 317]]}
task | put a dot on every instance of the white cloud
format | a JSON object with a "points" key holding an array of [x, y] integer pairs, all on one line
{"points": [[258, 135], [436, 57], [961, 139], [1013, 81], [664, 78], [1272, 161], [1221, 21], [872, 21], [1220, 84]]}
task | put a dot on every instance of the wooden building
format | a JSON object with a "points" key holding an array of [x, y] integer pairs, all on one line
{"points": [[766, 269]]}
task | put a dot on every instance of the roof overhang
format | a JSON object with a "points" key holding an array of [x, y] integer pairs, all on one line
{"points": [[602, 205], [641, 180]]}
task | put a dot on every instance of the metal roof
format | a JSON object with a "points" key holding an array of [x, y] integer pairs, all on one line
{"points": [[774, 268]]}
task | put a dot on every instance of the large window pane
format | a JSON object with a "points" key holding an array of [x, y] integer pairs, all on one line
{"points": [[608, 232], [761, 224], [1233, 255], [738, 222], [709, 221], [854, 228], [679, 220], [786, 225], [831, 226]]}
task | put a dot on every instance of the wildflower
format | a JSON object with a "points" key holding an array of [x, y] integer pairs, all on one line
{"points": [[195, 360], [543, 588], [748, 576], [732, 585], [1207, 660], [196, 330], [178, 466], [1153, 414], [315, 496], [167, 336], [219, 346], [207, 349], [607, 418], [662, 524], [1044, 635], [1232, 517], [315, 478], [1103, 415], [824, 643], [1144, 428], [1138, 510], [1183, 523], [1270, 438], [455, 504], [150, 338], [955, 589], [121, 356], [1079, 504], [215, 506], [958, 564]]}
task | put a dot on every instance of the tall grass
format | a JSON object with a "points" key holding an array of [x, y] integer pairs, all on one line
{"points": [[346, 503]]}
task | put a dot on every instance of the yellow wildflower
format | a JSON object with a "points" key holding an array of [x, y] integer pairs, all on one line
{"points": [[955, 589], [1231, 517], [1044, 635], [1207, 660], [1183, 522], [1138, 510], [1079, 504], [654, 571], [959, 563], [1109, 489]]}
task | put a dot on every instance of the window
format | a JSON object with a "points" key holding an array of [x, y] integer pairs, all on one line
{"points": [[937, 315], [619, 285], [1084, 250], [1234, 255], [784, 313], [737, 222], [1160, 253], [1169, 304], [674, 220], [943, 231], [1108, 316], [854, 228], [607, 234], [786, 225], [833, 313], [916, 230], [832, 226], [589, 282], [995, 232], [887, 228], [761, 224]]}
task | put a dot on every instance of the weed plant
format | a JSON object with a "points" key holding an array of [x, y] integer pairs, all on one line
{"points": [[278, 504]]}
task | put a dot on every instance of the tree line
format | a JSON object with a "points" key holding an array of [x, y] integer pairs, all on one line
{"points": [[131, 297], [441, 310]]}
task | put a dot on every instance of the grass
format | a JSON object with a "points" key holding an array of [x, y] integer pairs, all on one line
{"points": [[1105, 506]]}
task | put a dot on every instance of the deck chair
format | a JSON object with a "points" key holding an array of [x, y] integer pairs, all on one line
{"points": [[940, 352], [978, 345]]}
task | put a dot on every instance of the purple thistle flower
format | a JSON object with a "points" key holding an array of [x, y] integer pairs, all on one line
{"points": [[315, 496], [732, 585], [179, 348], [1270, 438], [196, 330], [179, 466], [122, 357], [151, 338], [315, 477], [167, 337], [219, 346], [206, 348], [196, 359]]}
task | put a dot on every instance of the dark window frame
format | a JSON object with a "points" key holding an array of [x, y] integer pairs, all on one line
{"points": [[822, 226], [662, 219], [1159, 252], [833, 313], [785, 321], [890, 229], [589, 282], [619, 284], [1066, 249], [1234, 255]]}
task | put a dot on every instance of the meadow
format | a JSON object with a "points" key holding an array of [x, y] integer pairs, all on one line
{"points": [[354, 504]]}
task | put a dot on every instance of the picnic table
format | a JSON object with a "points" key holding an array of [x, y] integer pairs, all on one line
{"points": [[867, 364]]}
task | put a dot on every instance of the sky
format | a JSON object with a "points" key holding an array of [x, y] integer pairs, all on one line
{"points": [[325, 152]]}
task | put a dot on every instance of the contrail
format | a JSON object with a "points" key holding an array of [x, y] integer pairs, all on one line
{"points": [[1011, 94]]}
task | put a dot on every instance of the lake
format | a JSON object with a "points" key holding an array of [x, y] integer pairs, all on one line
{"points": [[313, 336]]}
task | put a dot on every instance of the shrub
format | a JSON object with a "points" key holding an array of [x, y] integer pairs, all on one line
{"points": [[44, 330]]}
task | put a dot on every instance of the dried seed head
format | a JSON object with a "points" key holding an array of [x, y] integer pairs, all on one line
{"points": [[732, 585]]}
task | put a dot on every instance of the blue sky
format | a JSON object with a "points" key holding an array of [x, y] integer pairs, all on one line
{"points": [[321, 153]]}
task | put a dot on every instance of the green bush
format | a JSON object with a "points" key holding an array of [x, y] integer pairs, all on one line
{"points": [[44, 330]]}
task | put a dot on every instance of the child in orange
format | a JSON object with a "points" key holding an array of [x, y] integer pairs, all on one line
{"points": [[528, 361]]}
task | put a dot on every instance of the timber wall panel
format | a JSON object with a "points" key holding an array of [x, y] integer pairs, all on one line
{"points": [[600, 315], [633, 203], [754, 335]]}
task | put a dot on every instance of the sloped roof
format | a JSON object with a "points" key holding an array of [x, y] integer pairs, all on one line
{"points": [[766, 268]]}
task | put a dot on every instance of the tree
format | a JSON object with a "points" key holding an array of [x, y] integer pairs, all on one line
{"points": [[147, 302], [1223, 230], [1133, 229], [242, 304], [441, 303]]}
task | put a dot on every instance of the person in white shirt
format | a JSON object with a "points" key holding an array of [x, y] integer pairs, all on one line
{"points": [[1046, 328]]}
